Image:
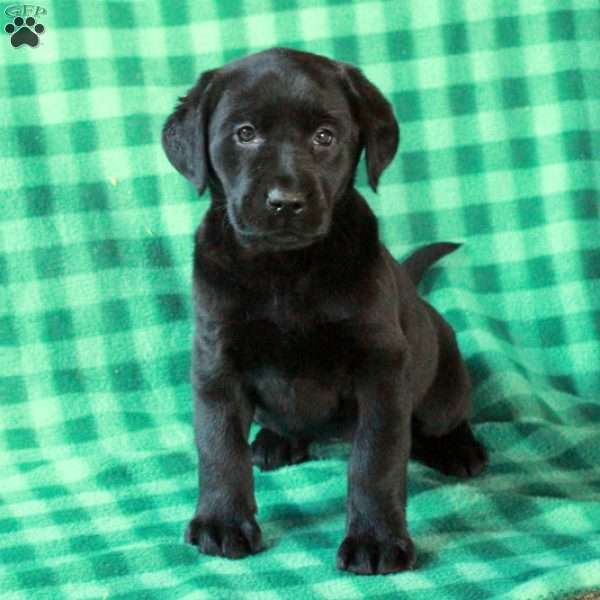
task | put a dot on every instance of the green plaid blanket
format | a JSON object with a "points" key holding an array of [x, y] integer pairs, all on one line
{"points": [[499, 107]]}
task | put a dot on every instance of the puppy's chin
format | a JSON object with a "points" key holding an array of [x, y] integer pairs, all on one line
{"points": [[279, 242], [256, 241]]}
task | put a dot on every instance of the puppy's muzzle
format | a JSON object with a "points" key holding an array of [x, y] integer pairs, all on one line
{"points": [[287, 212], [281, 218]]}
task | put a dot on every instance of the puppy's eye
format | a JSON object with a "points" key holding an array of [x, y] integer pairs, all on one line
{"points": [[323, 137], [246, 133]]}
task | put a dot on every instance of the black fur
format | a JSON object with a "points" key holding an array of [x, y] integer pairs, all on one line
{"points": [[303, 320]]}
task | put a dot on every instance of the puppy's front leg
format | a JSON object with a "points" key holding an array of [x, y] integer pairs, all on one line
{"points": [[224, 522], [377, 540]]}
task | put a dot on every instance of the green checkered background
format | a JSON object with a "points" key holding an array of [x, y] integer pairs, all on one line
{"points": [[499, 109]]}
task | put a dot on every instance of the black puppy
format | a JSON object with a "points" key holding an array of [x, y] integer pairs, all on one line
{"points": [[303, 320]]}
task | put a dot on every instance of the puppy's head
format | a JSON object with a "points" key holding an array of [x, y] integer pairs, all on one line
{"points": [[277, 136]]}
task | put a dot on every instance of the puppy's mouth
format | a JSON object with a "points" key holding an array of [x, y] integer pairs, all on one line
{"points": [[256, 238], [278, 240]]}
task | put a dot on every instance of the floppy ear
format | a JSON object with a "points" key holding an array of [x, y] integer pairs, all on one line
{"points": [[184, 133], [378, 126]]}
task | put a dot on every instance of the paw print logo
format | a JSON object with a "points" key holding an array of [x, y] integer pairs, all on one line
{"points": [[24, 32]]}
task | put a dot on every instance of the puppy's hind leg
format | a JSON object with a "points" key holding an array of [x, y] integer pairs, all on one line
{"points": [[441, 435], [271, 451]]}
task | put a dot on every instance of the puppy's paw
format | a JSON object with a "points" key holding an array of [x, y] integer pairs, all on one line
{"points": [[230, 538], [464, 461], [365, 555], [271, 451], [457, 453]]}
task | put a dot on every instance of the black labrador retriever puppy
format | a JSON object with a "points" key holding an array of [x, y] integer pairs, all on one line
{"points": [[303, 320]]}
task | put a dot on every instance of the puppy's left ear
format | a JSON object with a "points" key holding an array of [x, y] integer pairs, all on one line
{"points": [[185, 131], [378, 126]]}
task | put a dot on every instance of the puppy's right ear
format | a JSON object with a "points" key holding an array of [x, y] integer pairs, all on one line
{"points": [[184, 135]]}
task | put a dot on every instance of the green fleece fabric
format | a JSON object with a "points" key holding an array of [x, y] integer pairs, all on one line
{"points": [[499, 108]]}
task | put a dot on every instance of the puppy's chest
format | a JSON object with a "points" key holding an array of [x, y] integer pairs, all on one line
{"points": [[315, 349], [298, 363], [293, 333], [301, 376]]}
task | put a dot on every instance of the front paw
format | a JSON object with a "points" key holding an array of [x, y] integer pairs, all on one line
{"points": [[218, 536], [365, 555]]}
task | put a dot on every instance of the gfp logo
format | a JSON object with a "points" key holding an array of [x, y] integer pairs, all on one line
{"points": [[24, 28]]}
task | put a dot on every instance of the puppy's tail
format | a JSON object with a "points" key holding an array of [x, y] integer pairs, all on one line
{"points": [[420, 260]]}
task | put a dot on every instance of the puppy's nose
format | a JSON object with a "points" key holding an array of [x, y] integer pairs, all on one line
{"points": [[280, 201]]}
